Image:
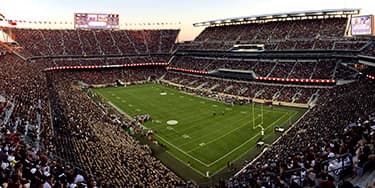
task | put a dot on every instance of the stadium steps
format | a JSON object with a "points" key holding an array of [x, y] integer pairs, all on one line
{"points": [[314, 70], [242, 90], [162, 77], [192, 82], [20, 55], [268, 75], [276, 95], [98, 45], [292, 70], [115, 43], [170, 60], [333, 75], [364, 181], [296, 96], [145, 41], [366, 45], [213, 87], [200, 86], [8, 113], [80, 42], [259, 93], [228, 88], [314, 98], [46, 42]]}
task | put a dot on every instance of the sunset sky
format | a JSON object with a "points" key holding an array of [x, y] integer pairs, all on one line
{"points": [[185, 12]]}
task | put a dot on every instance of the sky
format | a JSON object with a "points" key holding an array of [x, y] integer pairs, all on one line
{"points": [[181, 13]]}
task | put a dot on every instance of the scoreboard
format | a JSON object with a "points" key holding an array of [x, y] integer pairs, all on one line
{"points": [[362, 25], [96, 21]]}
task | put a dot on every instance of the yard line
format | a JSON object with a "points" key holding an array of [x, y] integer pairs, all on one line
{"points": [[182, 161], [199, 125], [245, 142], [218, 138], [212, 132], [182, 151]]}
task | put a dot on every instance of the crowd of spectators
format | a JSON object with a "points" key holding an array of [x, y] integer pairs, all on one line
{"points": [[104, 61], [111, 75], [336, 138], [280, 93], [309, 34], [79, 125], [3, 51], [301, 69], [43, 42], [80, 143], [81, 146], [369, 50]]}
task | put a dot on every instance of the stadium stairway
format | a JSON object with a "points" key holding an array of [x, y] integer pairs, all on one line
{"points": [[228, 88], [213, 87], [364, 181], [200, 86]]}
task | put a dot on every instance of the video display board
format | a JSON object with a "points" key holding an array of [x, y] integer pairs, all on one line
{"points": [[96, 21], [362, 25]]}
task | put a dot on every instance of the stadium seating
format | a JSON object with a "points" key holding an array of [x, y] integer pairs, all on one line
{"points": [[41, 42], [75, 128], [245, 89], [302, 69], [310, 34], [324, 145], [80, 139]]}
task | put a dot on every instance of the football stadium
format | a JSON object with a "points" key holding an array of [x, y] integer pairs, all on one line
{"points": [[278, 99]]}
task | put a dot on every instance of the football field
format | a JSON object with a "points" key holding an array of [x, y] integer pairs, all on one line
{"points": [[201, 133]]}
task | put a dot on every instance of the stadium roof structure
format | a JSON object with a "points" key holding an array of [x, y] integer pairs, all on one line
{"points": [[327, 12]]}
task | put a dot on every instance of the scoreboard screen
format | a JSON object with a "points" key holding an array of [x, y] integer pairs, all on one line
{"points": [[96, 21], [362, 25]]}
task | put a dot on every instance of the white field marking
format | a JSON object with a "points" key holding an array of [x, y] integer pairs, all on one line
{"points": [[228, 109], [259, 155], [182, 151], [214, 105], [271, 125], [202, 102], [184, 162], [185, 136], [123, 101], [118, 98], [130, 105], [157, 121], [202, 144], [170, 128], [217, 138], [138, 110], [113, 94], [181, 96], [190, 99], [243, 112]]}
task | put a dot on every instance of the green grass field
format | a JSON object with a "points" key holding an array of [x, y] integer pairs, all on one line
{"points": [[202, 141]]}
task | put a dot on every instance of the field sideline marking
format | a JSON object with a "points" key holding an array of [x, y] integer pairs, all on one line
{"points": [[182, 151], [267, 111], [208, 136], [223, 135], [245, 142], [184, 162], [212, 163], [192, 127]]}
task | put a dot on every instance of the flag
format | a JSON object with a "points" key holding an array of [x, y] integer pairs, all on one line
{"points": [[12, 22]]}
